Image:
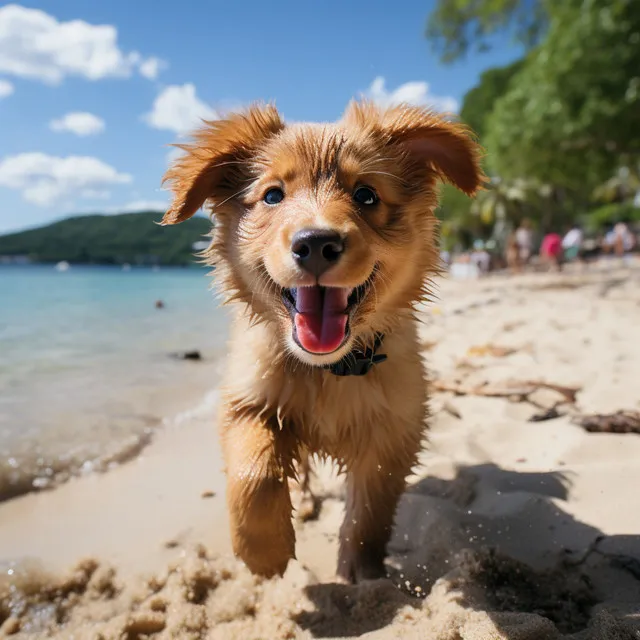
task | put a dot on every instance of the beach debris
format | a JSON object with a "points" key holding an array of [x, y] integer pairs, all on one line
{"points": [[492, 350], [547, 414], [546, 398], [208, 494], [560, 284], [507, 389], [475, 305], [188, 355], [451, 409], [618, 422], [608, 285], [511, 326]]}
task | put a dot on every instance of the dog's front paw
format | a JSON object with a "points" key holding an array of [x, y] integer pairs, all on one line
{"points": [[267, 567], [264, 556]]}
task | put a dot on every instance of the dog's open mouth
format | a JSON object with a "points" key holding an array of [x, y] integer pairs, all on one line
{"points": [[320, 315]]}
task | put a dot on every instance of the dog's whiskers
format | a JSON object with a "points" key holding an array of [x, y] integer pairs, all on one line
{"points": [[386, 173], [235, 195]]}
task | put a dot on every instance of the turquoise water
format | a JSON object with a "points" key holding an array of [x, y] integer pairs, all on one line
{"points": [[86, 371]]}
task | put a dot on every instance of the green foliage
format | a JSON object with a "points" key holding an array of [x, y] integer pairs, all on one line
{"points": [[479, 101], [572, 114], [457, 26], [597, 219], [562, 125], [621, 187], [109, 239], [459, 223]]}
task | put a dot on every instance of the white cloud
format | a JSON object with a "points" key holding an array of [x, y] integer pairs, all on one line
{"points": [[45, 180], [177, 108], [6, 89], [79, 122], [151, 67], [414, 93], [34, 44], [95, 194]]}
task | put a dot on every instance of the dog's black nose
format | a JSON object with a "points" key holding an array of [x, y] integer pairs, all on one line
{"points": [[316, 250]]}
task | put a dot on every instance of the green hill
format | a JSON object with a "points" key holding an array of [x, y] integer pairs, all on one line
{"points": [[108, 239]]}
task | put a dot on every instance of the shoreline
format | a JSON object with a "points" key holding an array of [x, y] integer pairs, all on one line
{"points": [[37, 525], [48, 473], [91, 367]]}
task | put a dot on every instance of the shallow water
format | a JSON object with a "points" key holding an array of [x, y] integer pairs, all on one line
{"points": [[86, 371]]}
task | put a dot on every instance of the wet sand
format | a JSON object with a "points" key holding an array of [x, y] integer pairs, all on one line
{"points": [[510, 529]]}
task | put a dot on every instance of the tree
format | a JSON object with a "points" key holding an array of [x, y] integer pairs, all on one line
{"points": [[622, 187], [571, 116], [457, 26], [459, 225], [478, 102]]}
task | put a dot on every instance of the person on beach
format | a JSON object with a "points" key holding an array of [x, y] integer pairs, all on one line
{"points": [[572, 242], [551, 251], [524, 240], [620, 241], [512, 254], [480, 257]]}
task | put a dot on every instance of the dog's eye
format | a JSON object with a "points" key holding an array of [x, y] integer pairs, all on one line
{"points": [[274, 196], [365, 195]]}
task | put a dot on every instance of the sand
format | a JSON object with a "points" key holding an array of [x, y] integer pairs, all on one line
{"points": [[510, 529]]}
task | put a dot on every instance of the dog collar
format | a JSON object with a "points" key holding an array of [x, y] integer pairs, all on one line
{"points": [[358, 362]]}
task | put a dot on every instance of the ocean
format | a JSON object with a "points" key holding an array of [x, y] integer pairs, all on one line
{"points": [[88, 365]]}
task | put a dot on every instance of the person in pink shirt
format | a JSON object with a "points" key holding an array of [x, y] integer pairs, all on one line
{"points": [[551, 250]]}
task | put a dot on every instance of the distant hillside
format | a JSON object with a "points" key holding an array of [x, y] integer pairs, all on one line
{"points": [[108, 239]]}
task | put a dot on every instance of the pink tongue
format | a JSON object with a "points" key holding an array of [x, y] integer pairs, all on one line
{"points": [[321, 321]]}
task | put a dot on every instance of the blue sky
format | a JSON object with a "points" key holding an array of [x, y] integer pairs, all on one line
{"points": [[91, 92]]}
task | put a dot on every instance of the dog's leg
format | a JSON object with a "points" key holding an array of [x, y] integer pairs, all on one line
{"points": [[373, 490], [259, 457]]}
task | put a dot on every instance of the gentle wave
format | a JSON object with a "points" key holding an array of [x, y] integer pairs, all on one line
{"points": [[20, 474], [86, 373]]}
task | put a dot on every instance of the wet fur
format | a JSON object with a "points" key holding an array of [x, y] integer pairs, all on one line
{"points": [[277, 405]]}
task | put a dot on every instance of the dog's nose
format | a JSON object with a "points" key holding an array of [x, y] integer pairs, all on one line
{"points": [[316, 250]]}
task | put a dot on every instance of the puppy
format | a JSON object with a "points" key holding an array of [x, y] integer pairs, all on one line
{"points": [[324, 243]]}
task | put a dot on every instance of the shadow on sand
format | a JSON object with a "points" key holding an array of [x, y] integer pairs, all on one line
{"points": [[498, 543]]}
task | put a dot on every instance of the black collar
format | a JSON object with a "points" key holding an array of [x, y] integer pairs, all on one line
{"points": [[357, 362]]}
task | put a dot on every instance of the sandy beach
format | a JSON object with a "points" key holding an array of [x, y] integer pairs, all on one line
{"points": [[511, 528]]}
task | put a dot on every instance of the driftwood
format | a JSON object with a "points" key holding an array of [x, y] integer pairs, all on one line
{"points": [[511, 388], [549, 414], [490, 350], [618, 422]]}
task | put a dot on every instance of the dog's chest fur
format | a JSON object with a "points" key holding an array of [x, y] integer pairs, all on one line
{"points": [[342, 417]]}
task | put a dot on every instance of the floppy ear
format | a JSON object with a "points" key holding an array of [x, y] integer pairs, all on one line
{"points": [[448, 147], [214, 164]]}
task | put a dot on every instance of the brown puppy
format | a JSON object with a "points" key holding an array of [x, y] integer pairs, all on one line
{"points": [[325, 242]]}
